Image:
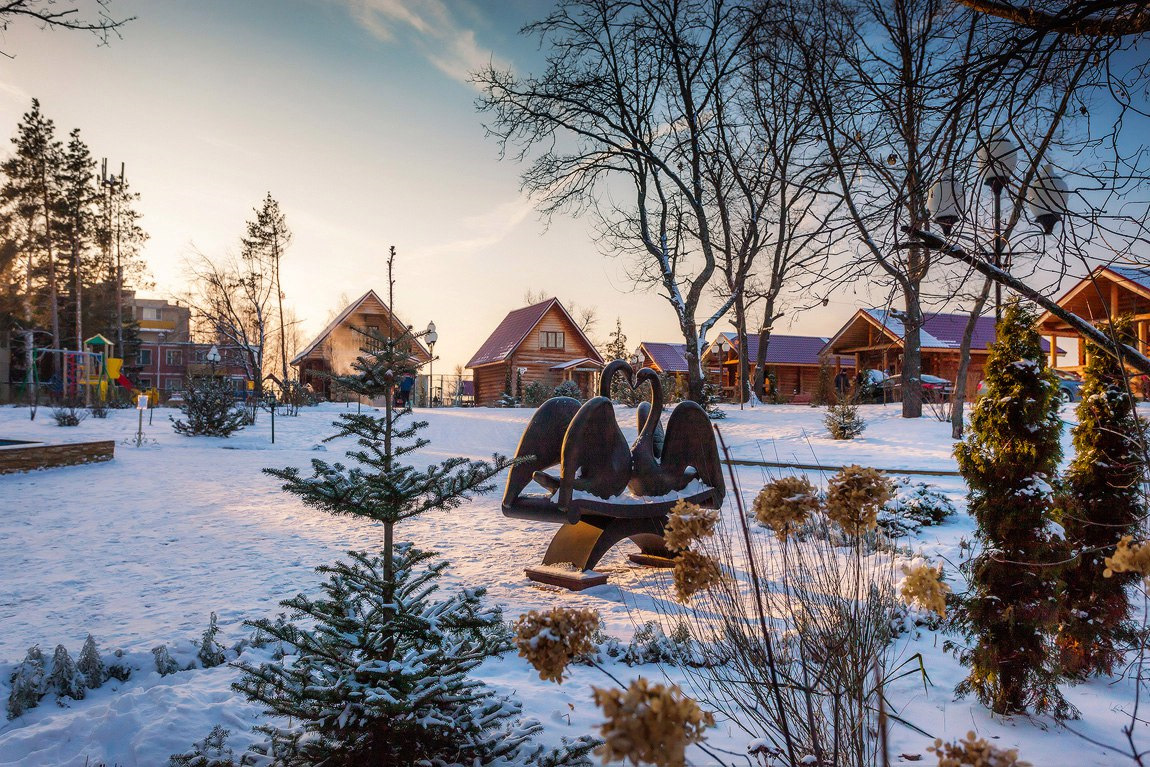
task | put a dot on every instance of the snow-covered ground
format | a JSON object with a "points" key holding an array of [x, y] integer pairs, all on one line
{"points": [[139, 551]]}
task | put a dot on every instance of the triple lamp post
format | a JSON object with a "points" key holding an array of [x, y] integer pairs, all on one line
{"points": [[431, 337], [997, 160]]}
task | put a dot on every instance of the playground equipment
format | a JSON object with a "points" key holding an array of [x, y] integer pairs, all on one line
{"points": [[596, 466], [82, 375]]}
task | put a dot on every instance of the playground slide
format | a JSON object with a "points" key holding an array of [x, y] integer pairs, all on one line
{"points": [[123, 381]]}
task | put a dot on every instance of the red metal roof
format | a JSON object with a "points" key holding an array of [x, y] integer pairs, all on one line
{"points": [[788, 350], [669, 358], [505, 339]]}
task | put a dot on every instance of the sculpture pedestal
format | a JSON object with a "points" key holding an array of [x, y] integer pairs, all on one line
{"points": [[574, 580]]}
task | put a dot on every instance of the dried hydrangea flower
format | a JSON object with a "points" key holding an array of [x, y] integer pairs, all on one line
{"points": [[1128, 558], [854, 497], [688, 523], [550, 640], [784, 504], [649, 724], [694, 572], [973, 751], [924, 587]]}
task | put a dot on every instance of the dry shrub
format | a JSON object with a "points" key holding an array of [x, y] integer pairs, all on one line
{"points": [[854, 497], [923, 586], [689, 524], [551, 640], [973, 751], [694, 572], [785, 504], [1129, 558], [650, 723]]}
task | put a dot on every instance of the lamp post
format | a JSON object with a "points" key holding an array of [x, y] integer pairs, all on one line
{"points": [[725, 346], [431, 337], [997, 159], [213, 358]]}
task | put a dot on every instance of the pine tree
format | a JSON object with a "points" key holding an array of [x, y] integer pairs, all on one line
{"points": [[91, 665], [1102, 501], [65, 679], [1009, 459], [27, 684], [382, 673], [30, 194], [267, 238], [77, 215], [210, 408], [165, 663], [211, 652]]}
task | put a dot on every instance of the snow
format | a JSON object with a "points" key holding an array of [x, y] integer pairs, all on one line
{"points": [[140, 551]]}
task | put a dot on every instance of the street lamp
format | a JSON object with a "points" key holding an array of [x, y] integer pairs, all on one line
{"points": [[213, 358], [997, 159], [431, 337]]}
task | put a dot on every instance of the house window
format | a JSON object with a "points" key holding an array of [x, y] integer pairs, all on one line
{"points": [[173, 384], [200, 355], [151, 313], [144, 357], [551, 339], [145, 383], [173, 357]]}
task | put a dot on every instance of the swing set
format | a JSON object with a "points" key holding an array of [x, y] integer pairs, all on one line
{"points": [[81, 376]]}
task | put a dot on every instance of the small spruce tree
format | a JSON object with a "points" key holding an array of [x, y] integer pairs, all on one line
{"points": [[1009, 459], [381, 673], [1101, 502], [165, 663], [210, 408], [91, 665], [211, 653], [65, 679], [27, 684]]}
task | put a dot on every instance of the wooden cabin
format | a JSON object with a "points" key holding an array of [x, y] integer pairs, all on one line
{"points": [[1108, 291], [794, 361], [874, 337], [540, 343], [339, 344], [667, 359]]}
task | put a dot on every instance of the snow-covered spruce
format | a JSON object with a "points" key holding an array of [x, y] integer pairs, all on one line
{"points": [[65, 680], [165, 663], [27, 684], [211, 652], [209, 409], [915, 505], [91, 665], [382, 673]]}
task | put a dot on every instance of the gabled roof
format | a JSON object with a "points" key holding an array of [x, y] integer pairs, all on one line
{"points": [[339, 320], [939, 331], [785, 349], [577, 362], [669, 358], [515, 328], [1132, 278], [1137, 275]]}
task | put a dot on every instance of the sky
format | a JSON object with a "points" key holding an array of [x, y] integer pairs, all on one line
{"points": [[358, 117]]}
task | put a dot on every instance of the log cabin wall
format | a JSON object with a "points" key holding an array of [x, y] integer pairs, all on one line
{"points": [[489, 383]]}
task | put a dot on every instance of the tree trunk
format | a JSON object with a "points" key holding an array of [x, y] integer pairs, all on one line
{"points": [[53, 296], [761, 357], [280, 300], [741, 382], [912, 357], [695, 378], [958, 397]]}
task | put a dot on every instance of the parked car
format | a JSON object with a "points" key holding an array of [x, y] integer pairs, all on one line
{"points": [[934, 389], [1069, 386]]}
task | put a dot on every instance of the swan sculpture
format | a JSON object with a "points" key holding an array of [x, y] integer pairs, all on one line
{"points": [[596, 465]]}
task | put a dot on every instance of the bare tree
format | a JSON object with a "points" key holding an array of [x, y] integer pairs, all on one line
{"points": [[629, 100], [1087, 18], [232, 304], [50, 14]]}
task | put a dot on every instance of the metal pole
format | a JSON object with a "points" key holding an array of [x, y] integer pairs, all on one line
{"points": [[431, 376], [996, 186], [273, 419]]}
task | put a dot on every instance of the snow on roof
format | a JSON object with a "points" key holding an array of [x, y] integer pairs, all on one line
{"points": [[670, 358], [1135, 274], [944, 331], [576, 363], [786, 349]]}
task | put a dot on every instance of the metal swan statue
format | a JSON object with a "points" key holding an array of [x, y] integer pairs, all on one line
{"points": [[594, 459]]}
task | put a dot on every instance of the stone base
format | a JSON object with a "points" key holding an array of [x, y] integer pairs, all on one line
{"points": [[651, 560], [34, 455], [573, 580]]}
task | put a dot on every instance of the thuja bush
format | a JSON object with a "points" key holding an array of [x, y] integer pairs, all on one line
{"points": [[568, 389], [1102, 500], [209, 410], [535, 394], [1009, 459]]}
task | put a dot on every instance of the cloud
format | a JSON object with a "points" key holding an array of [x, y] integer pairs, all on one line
{"points": [[484, 229], [444, 42]]}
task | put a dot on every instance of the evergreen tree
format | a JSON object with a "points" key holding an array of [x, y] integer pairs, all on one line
{"points": [[77, 215], [27, 684], [91, 665], [65, 679], [211, 652], [1102, 501], [165, 663], [381, 672], [30, 195], [210, 408], [267, 238], [1009, 459]]}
